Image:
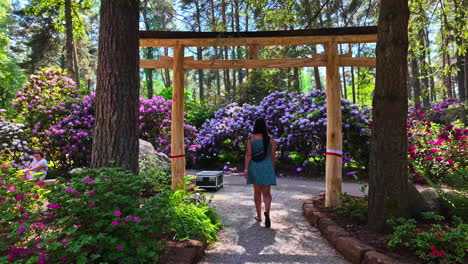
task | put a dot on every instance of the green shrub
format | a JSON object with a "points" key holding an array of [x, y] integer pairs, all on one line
{"points": [[438, 244], [98, 216], [188, 220], [156, 172], [197, 113], [353, 207], [458, 204]]}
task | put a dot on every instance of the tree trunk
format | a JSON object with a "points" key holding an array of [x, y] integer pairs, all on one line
{"points": [[352, 78], [227, 81], [423, 70], [388, 184], [460, 24], [430, 67], [297, 82], [115, 139], [72, 60], [199, 53], [445, 55], [167, 73], [466, 77], [318, 83], [240, 72], [213, 23], [149, 74], [415, 79], [200, 76], [343, 73], [461, 78]]}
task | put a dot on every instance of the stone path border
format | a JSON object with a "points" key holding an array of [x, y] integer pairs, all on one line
{"points": [[351, 248]]}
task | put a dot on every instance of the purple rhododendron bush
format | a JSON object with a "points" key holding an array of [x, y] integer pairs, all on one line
{"points": [[297, 122], [101, 215]]}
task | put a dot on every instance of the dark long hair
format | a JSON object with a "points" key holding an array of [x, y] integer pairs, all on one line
{"points": [[261, 128]]}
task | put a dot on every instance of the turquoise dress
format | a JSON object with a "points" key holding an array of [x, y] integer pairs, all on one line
{"points": [[261, 172]]}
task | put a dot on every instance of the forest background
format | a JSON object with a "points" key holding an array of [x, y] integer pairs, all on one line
{"points": [[64, 33]]}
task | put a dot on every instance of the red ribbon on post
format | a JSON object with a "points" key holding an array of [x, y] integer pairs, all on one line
{"points": [[332, 152], [177, 156]]}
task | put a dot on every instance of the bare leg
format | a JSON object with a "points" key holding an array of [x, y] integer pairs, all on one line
{"points": [[266, 198], [258, 200]]}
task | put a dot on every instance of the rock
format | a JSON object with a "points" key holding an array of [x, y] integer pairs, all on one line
{"points": [[352, 249], [147, 150], [314, 220], [374, 257], [417, 202], [324, 222], [432, 199], [333, 232]]}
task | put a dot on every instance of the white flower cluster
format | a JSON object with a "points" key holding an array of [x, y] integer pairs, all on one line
{"points": [[13, 144]]}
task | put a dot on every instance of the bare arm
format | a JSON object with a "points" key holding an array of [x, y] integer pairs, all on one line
{"points": [[37, 168], [248, 157], [274, 146]]}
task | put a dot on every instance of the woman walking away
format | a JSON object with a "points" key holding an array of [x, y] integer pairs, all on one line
{"points": [[259, 167]]}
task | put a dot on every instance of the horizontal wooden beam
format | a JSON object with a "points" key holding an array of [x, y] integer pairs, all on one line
{"points": [[364, 62], [171, 58], [266, 41], [319, 61], [261, 34]]}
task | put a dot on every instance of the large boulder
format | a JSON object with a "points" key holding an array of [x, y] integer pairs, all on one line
{"points": [[147, 151]]}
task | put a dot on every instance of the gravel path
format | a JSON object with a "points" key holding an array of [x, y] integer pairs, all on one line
{"points": [[291, 239]]}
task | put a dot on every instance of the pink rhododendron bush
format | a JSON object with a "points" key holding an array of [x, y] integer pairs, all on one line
{"points": [[437, 151], [102, 215], [45, 99]]}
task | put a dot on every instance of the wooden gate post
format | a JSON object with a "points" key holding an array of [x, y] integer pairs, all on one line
{"points": [[334, 128], [177, 133]]}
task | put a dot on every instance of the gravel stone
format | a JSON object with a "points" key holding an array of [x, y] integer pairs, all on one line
{"points": [[291, 238]]}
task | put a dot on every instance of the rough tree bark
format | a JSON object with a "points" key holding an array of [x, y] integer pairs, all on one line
{"points": [[115, 139], [415, 81], [466, 77], [72, 60], [388, 185]]}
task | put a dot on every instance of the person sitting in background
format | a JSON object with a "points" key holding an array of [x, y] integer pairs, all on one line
{"points": [[38, 165]]}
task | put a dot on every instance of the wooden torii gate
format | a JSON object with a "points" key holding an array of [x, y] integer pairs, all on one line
{"points": [[329, 37]]}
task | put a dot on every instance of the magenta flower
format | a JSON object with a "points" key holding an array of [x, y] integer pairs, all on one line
{"points": [[19, 196], [439, 158], [136, 219], [428, 158], [69, 190], [115, 222], [118, 213], [118, 247], [64, 242], [53, 206], [21, 228], [91, 205], [298, 169], [36, 197], [12, 189], [40, 183], [91, 193], [434, 150], [88, 180]]}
